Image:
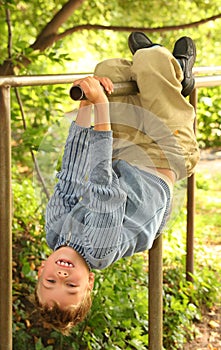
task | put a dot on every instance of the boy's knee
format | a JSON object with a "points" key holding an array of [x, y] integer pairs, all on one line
{"points": [[152, 55], [116, 69], [156, 59]]}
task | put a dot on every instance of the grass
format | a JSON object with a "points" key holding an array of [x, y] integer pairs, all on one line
{"points": [[208, 210], [205, 290]]}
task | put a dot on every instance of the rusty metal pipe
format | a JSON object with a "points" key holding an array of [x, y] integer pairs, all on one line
{"points": [[5, 222], [190, 210], [155, 296], [120, 89]]}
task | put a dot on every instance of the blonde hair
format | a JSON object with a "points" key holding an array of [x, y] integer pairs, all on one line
{"points": [[63, 320]]}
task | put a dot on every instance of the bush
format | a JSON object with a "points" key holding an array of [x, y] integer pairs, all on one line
{"points": [[209, 117]]}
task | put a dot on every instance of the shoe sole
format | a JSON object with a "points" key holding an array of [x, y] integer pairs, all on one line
{"points": [[132, 42], [179, 51]]}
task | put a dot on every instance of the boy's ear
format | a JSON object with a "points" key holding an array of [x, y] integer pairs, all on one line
{"points": [[40, 269], [91, 280]]}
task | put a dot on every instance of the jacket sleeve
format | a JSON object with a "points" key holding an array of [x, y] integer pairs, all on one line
{"points": [[105, 201]]}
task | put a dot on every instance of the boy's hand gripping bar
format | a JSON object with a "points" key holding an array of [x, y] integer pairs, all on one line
{"points": [[120, 89]]}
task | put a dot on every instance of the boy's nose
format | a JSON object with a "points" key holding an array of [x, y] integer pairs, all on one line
{"points": [[62, 273]]}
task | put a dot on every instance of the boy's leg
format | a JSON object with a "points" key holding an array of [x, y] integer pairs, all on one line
{"points": [[118, 70], [126, 114], [167, 136], [159, 76]]}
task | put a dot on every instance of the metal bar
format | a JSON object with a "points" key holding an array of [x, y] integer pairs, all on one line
{"points": [[190, 228], [5, 222], [206, 70], [34, 80], [190, 210], [120, 89], [209, 81], [155, 297]]}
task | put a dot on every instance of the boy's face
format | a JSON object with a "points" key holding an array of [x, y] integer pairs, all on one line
{"points": [[64, 277]]}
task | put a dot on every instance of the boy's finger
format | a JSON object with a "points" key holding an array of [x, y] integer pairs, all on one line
{"points": [[77, 82], [106, 83]]}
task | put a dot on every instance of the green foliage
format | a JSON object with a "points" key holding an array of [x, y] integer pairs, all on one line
{"points": [[208, 211], [122, 321], [209, 117], [184, 301], [41, 108]]}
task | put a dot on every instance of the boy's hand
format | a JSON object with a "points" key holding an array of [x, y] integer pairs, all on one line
{"points": [[106, 83], [93, 89]]}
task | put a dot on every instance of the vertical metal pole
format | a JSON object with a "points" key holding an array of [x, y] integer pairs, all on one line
{"points": [[155, 304], [191, 210], [5, 222], [190, 228]]}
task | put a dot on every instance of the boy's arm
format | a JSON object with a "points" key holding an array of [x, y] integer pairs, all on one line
{"points": [[84, 114], [75, 165], [104, 203]]}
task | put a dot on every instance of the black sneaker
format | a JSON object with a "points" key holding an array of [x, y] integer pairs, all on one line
{"points": [[138, 40], [185, 52]]}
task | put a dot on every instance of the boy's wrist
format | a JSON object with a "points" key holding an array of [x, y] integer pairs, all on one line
{"points": [[85, 103], [101, 99]]}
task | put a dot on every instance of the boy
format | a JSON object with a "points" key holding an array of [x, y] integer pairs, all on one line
{"points": [[109, 205]]}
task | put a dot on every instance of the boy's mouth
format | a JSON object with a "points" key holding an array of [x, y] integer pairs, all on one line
{"points": [[64, 263]]}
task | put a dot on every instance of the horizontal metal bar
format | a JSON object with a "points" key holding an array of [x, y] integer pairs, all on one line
{"points": [[120, 89], [207, 70], [32, 80], [208, 81]]}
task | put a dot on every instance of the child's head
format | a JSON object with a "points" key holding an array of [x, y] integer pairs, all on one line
{"points": [[63, 292]]}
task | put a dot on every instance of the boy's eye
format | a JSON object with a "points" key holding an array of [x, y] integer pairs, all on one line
{"points": [[50, 280], [71, 285]]}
